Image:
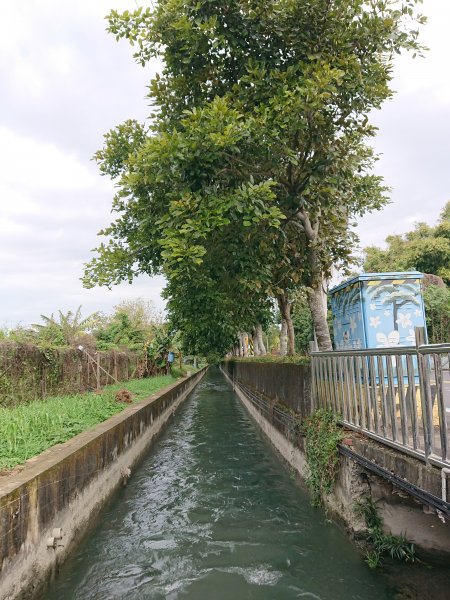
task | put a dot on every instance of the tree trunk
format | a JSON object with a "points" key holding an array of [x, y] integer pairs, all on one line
{"points": [[291, 335], [244, 344], [315, 289], [283, 338], [256, 348], [259, 337], [318, 313], [285, 310]]}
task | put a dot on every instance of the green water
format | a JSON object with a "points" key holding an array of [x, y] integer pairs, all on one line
{"points": [[213, 514]]}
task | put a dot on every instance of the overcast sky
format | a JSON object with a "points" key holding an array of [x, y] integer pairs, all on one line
{"points": [[64, 83]]}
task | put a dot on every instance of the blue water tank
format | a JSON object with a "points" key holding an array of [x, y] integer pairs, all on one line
{"points": [[377, 310]]}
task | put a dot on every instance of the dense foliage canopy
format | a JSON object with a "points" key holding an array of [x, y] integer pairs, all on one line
{"points": [[243, 184], [425, 248]]}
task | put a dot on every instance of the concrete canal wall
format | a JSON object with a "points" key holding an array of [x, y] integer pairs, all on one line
{"points": [[47, 507], [286, 383], [361, 459]]}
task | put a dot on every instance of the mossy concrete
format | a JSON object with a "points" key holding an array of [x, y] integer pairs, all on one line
{"points": [[289, 384]]}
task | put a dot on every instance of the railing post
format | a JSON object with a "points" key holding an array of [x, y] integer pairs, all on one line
{"points": [[425, 392], [439, 396], [313, 384], [313, 347], [419, 333], [98, 374]]}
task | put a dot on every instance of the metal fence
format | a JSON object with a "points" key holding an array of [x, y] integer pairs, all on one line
{"points": [[283, 420], [398, 396]]}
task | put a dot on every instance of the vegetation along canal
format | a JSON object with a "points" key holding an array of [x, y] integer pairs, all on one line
{"points": [[211, 513]]}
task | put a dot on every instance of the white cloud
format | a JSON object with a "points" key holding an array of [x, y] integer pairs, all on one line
{"points": [[414, 135], [10, 227], [30, 164], [65, 82], [428, 74]]}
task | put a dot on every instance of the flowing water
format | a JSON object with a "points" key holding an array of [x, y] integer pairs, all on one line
{"points": [[211, 514]]}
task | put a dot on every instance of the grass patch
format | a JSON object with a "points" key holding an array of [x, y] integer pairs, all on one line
{"points": [[322, 437], [382, 544], [29, 429], [177, 372]]}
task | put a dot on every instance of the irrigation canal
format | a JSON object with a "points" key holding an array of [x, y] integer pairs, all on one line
{"points": [[213, 514]]}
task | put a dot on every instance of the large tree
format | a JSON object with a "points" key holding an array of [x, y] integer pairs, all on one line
{"points": [[259, 131]]}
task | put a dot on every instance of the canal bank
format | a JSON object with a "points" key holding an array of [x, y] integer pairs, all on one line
{"points": [[211, 512], [405, 491], [46, 508]]}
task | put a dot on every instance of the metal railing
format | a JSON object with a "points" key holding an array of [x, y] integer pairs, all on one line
{"points": [[282, 420], [398, 396]]}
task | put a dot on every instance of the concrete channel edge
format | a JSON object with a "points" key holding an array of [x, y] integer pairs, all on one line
{"points": [[402, 514], [47, 507]]}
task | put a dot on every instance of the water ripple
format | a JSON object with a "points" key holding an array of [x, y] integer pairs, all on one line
{"points": [[211, 514]]}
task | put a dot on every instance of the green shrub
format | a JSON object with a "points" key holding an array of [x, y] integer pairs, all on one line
{"points": [[322, 437], [381, 543], [176, 372], [437, 310]]}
